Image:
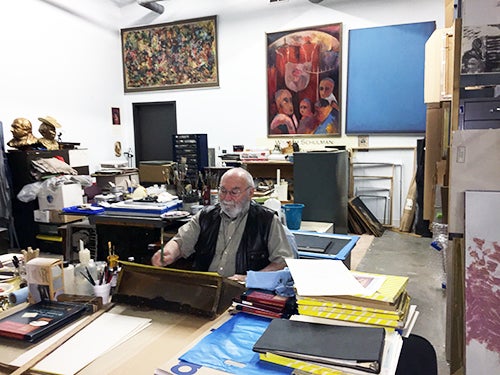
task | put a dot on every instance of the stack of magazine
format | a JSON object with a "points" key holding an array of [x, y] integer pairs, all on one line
{"points": [[389, 305], [328, 290], [323, 349], [264, 303], [38, 320]]}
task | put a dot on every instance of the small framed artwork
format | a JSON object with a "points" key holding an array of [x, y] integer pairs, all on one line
{"points": [[173, 55], [115, 116], [303, 81]]}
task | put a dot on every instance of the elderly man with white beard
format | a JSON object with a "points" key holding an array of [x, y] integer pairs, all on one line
{"points": [[232, 237]]}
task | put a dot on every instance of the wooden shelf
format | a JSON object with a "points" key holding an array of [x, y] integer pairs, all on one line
{"points": [[260, 169]]}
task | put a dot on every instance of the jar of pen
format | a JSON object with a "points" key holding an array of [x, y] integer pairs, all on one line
{"points": [[85, 273], [96, 278], [112, 268]]}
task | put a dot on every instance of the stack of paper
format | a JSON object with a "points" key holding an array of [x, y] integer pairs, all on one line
{"points": [[85, 346], [351, 296], [149, 209]]}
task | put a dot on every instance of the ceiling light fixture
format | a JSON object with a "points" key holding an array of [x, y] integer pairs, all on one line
{"points": [[152, 5]]}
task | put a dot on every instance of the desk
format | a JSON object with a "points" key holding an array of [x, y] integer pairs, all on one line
{"points": [[316, 226], [131, 235], [169, 336], [165, 338], [343, 250]]}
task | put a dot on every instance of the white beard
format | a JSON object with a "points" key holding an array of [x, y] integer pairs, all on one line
{"points": [[232, 209]]}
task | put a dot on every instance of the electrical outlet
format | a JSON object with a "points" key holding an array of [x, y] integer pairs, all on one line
{"points": [[362, 141]]}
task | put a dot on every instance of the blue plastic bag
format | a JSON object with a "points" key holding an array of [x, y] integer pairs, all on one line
{"points": [[229, 348]]}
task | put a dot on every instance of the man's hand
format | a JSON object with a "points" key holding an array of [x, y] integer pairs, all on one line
{"points": [[239, 278], [171, 253], [274, 266]]}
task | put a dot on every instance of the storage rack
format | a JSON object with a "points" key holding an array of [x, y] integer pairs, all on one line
{"points": [[194, 148]]}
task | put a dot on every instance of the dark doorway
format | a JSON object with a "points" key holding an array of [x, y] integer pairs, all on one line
{"points": [[154, 125]]}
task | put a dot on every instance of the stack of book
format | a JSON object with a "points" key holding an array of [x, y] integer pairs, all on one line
{"points": [[389, 305], [323, 349], [264, 303]]}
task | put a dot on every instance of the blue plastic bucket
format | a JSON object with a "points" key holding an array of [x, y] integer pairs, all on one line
{"points": [[293, 214]]}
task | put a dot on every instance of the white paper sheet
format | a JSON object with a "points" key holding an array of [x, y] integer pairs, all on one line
{"points": [[323, 277], [100, 336]]}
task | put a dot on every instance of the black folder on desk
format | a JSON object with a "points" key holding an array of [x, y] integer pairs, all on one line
{"points": [[313, 244], [38, 320], [360, 348], [319, 244]]}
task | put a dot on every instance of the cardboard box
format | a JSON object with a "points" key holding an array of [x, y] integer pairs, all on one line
{"points": [[45, 279], [41, 216], [123, 180], [154, 171], [64, 196], [433, 154], [53, 216]]}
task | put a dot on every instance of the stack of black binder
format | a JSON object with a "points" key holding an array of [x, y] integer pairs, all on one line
{"points": [[323, 346]]}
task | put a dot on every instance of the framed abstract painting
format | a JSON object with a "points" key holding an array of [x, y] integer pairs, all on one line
{"points": [[303, 81], [173, 55]]}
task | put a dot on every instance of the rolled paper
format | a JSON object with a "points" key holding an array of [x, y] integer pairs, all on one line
{"points": [[18, 296]]}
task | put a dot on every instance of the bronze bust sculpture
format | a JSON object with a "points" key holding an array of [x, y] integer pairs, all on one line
{"points": [[48, 130], [22, 132]]}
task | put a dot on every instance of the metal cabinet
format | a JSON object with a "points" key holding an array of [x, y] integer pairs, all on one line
{"points": [[483, 113], [194, 149], [321, 183]]}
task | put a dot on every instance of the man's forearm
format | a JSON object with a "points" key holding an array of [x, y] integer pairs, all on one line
{"points": [[171, 252]]}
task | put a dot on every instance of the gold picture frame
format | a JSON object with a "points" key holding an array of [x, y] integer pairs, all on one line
{"points": [[175, 55]]}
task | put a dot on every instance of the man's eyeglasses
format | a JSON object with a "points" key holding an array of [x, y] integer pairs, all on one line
{"points": [[233, 192]]}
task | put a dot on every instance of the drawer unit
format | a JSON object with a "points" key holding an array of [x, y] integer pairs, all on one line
{"points": [[480, 113]]}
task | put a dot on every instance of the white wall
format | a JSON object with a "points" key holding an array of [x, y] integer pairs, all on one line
{"points": [[63, 59]]}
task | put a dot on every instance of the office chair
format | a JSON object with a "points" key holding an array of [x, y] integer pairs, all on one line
{"points": [[417, 357]]}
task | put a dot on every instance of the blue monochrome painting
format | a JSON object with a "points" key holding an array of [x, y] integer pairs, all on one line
{"points": [[385, 78]]}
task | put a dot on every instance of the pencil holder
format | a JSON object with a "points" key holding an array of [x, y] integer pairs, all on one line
{"points": [[103, 291]]}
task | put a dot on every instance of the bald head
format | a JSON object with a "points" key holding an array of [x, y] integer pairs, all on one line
{"points": [[239, 175]]}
